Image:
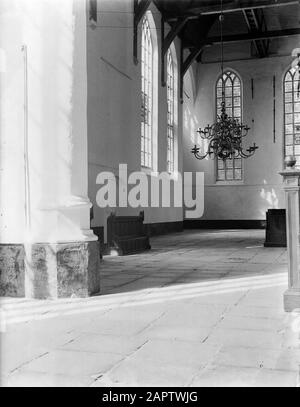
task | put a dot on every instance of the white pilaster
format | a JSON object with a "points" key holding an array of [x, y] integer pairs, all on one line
{"points": [[44, 143], [44, 208], [292, 188]]}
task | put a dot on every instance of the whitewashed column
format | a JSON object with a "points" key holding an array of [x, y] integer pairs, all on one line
{"points": [[54, 34], [291, 180], [44, 207]]}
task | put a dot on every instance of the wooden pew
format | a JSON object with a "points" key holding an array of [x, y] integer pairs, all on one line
{"points": [[127, 234]]}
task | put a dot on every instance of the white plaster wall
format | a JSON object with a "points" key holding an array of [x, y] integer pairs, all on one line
{"points": [[262, 185], [114, 103]]}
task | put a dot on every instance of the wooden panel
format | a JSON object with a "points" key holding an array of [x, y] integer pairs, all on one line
{"points": [[276, 228], [127, 234]]}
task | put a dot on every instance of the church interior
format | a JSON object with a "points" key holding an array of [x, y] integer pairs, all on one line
{"points": [[149, 193]]}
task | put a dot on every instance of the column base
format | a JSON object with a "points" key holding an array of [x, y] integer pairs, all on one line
{"points": [[45, 270], [12, 270], [291, 299]]}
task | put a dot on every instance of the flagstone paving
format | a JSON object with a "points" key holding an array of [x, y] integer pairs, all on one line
{"points": [[202, 308]]}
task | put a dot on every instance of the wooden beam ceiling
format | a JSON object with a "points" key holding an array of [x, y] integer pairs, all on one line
{"points": [[252, 36], [229, 7], [255, 20], [192, 20]]}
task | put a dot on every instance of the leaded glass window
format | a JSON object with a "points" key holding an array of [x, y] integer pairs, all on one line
{"points": [[171, 110], [292, 114], [146, 95], [230, 84]]}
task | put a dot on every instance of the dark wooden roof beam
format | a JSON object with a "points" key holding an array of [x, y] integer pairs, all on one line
{"points": [[233, 6], [248, 37], [175, 30], [190, 59], [167, 41], [256, 23]]}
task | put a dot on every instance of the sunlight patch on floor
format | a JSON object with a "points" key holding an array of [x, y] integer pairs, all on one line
{"points": [[28, 310]]}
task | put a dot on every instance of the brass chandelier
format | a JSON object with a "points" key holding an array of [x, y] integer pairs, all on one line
{"points": [[226, 134]]}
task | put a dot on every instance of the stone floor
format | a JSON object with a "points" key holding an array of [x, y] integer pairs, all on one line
{"points": [[202, 308]]}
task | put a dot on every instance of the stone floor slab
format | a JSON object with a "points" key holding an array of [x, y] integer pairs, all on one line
{"points": [[143, 373], [99, 343], [72, 363], [176, 353], [281, 359], [38, 379]]}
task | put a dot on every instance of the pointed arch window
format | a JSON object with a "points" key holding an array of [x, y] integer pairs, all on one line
{"points": [[292, 114], [230, 83], [147, 95], [171, 113]]}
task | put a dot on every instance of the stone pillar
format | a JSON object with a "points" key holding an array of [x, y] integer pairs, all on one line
{"points": [[47, 249], [291, 179]]}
